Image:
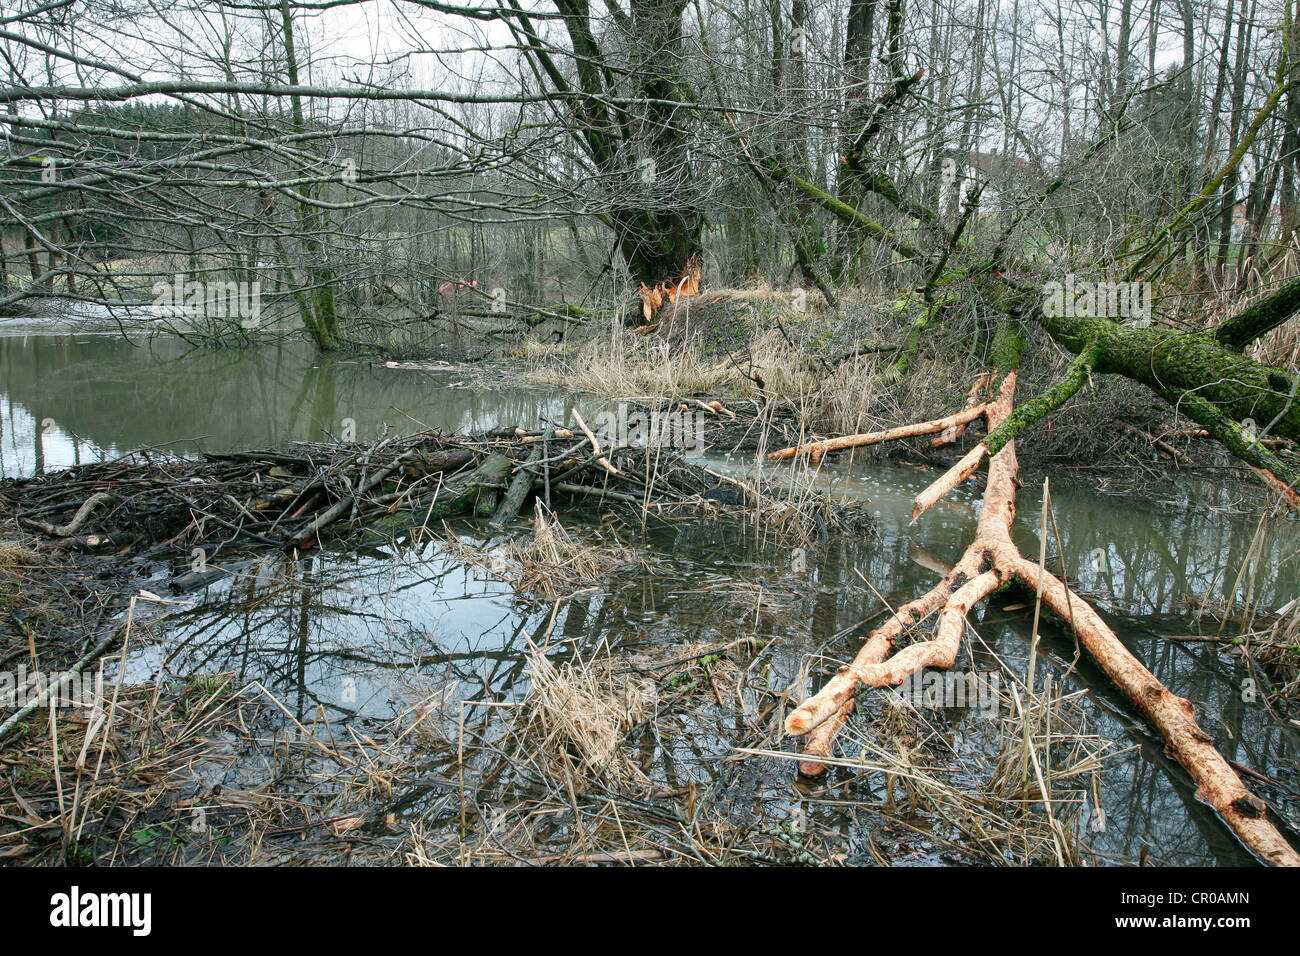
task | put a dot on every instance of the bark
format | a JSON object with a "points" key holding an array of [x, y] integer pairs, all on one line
{"points": [[992, 560], [1261, 318], [658, 238]]}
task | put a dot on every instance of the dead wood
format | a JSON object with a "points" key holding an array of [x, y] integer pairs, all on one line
{"points": [[992, 560], [817, 449]]}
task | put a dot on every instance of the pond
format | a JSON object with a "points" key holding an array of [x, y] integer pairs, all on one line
{"points": [[364, 631]]}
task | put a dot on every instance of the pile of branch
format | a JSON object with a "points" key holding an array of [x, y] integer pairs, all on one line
{"points": [[291, 497]]}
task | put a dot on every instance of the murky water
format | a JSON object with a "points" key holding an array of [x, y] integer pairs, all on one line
{"points": [[68, 399], [367, 632]]}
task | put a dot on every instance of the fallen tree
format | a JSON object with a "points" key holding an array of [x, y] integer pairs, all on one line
{"points": [[1203, 374], [989, 563]]}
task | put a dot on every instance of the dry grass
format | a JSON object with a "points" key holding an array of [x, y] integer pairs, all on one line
{"points": [[649, 368], [1281, 347], [532, 349], [549, 565], [552, 562], [106, 784], [994, 809], [629, 366], [1278, 651], [565, 775], [577, 715], [14, 554]]}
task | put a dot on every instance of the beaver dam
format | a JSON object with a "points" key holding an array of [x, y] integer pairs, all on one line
{"points": [[292, 497], [187, 518], [503, 640]]}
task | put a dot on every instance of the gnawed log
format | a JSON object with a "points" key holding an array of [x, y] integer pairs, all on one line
{"points": [[974, 399], [839, 690], [1286, 492], [1174, 717], [78, 520], [819, 742], [954, 476], [817, 449], [991, 560], [520, 485]]}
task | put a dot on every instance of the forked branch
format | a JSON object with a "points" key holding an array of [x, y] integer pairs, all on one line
{"points": [[991, 560]]}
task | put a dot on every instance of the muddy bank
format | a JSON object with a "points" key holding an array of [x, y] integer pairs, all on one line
{"points": [[818, 373]]}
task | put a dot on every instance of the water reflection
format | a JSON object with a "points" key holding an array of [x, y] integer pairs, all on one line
{"points": [[370, 634], [71, 399]]}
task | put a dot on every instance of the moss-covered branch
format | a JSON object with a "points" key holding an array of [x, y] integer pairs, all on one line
{"points": [[777, 172], [1036, 409], [1261, 318], [1242, 442], [1187, 216], [1177, 363]]}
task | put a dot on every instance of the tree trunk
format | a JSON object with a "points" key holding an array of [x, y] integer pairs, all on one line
{"points": [[660, 232]]}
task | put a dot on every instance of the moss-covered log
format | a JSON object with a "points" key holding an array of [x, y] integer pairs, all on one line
{"points": [[1174, 363], [1242, 442], [1261, 318]]}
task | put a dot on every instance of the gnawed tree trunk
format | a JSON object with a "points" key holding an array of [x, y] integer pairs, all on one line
{"points": [[657, 245], [641, 152], [660, 237], [654, 298]]}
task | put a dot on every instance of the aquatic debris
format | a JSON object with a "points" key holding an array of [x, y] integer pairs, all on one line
{"points": [[291, 497], [578, 715], [550, 564]]}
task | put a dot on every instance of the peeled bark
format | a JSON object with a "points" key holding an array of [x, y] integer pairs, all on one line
{"points": [[991, 561], [1217, 784], [817, 449]]}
